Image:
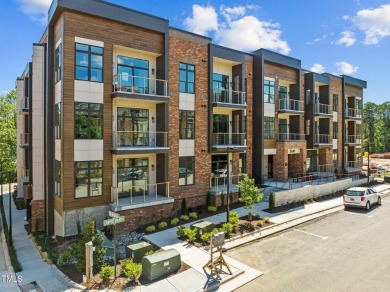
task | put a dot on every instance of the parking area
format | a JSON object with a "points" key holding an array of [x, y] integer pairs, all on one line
{"points": [[345, 251]]}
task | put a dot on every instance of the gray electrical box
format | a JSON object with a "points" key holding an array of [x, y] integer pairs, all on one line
{"points": [[137, 251], [160, 264], [219, 239], [203, 226]]}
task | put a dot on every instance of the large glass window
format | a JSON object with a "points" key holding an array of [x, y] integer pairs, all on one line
{"points": [[335, 158], [57, 178], [187, 78], [221, 129], [88, 179], [269, 91], [269, 128], [220, 88], [133, 127], [132, 176], [133, 74], [88, 120], [187, 124], [89, 63], [58, 63], [335, 102], [186, 170], [57, 124], [242, 163], [219, 169], [335, 130]]}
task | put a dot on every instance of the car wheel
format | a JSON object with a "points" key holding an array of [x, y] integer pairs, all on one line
{"points": [[379, 201], [368, 206], [345, 208]]}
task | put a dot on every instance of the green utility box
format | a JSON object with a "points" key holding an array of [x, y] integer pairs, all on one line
{"points": [[160, 264], [137, 251], [203, 226]]}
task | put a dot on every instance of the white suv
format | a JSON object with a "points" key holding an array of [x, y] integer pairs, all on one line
{"points": [[361, 198]]}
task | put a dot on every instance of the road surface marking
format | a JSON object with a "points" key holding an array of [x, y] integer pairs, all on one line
{"points": [[353, 213], [322, 237]]}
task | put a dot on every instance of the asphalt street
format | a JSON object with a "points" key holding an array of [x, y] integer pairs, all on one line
{"points": [[346, 251]]}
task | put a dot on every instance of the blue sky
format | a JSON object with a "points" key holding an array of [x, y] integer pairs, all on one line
{"points": [[340, 37]]}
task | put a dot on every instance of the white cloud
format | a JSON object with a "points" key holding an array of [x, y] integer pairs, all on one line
{"points": [[375, 23], [237, 30], [317, 68], [345, 68], [36, 9], [348, 38], [203, 19], [346, 17]]}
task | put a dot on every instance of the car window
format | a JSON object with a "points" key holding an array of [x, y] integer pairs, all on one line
{"points": [[354, 193]]}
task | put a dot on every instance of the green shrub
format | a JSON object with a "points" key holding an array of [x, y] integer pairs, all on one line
{"points": [[260, 223], [233, 219], [256, 216], [65, 258], [150, 252], [184, 206], [208, 199], [266, 219], [191, 234], [193, 215], [271, 201], [205, 237], [212, 209], [184, 217], [162, 225], [180, 231], [227, 228], [130, 269], [106, 272], [150, 229], [174, 221]]}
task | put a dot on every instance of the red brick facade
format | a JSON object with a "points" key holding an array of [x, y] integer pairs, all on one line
{"points": [[37, 215]]}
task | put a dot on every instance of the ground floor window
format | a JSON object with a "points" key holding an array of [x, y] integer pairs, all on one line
{"points": [[88, 178], [57, 178], [186, 170], [219, 168], [132, 176], [242, 163], [334, 158]]}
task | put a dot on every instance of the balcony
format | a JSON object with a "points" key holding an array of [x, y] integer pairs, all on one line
{"points": [[128, 86], [25, 175], [229, 98], [291, 137], [353, 113], [322, 140], [290, 106], [133, 142], [325, 168], [353, 166], [145, 195], [218, 183], [24, 106], [223, 140], [322, 109], [24, 142], [353, 139]]}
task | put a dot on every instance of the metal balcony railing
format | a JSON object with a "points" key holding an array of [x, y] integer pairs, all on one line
{"points": [[353, 113], [229, 96], [24, 139], [325, 168], [322, 139], [291, 137], [140, 85], [138, 194], [321, 108], [290, 105], [24, 104], [220, 181], [353, 139], [229, 139], [139, 139], [354, 164]]}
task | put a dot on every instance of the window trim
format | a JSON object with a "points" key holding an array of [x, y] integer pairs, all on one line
{"points": [[58, 120], [267, 83], [186, 70], [89, 67], [58, 63], [193, 173], [57, 177], [89, 121], [268, 121], [335, 105]]}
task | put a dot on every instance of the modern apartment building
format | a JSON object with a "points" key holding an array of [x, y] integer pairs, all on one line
{"points": [[118, 111]]}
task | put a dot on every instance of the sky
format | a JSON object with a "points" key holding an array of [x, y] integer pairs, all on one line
{"points": [[349, 37]]}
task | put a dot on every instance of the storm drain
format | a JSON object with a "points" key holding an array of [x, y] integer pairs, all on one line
{"points": [[31, 287]]}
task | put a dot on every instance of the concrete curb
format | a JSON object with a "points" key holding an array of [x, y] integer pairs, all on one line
{"points": [[8, 263]]}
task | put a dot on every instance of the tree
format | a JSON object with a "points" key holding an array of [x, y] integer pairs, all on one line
{"points": [[249, 194], [8, 132]]}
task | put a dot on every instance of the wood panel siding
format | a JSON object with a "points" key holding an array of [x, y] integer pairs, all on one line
{"points": [[269, 144], [111, 33], [284, 73], [351, 90]]}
